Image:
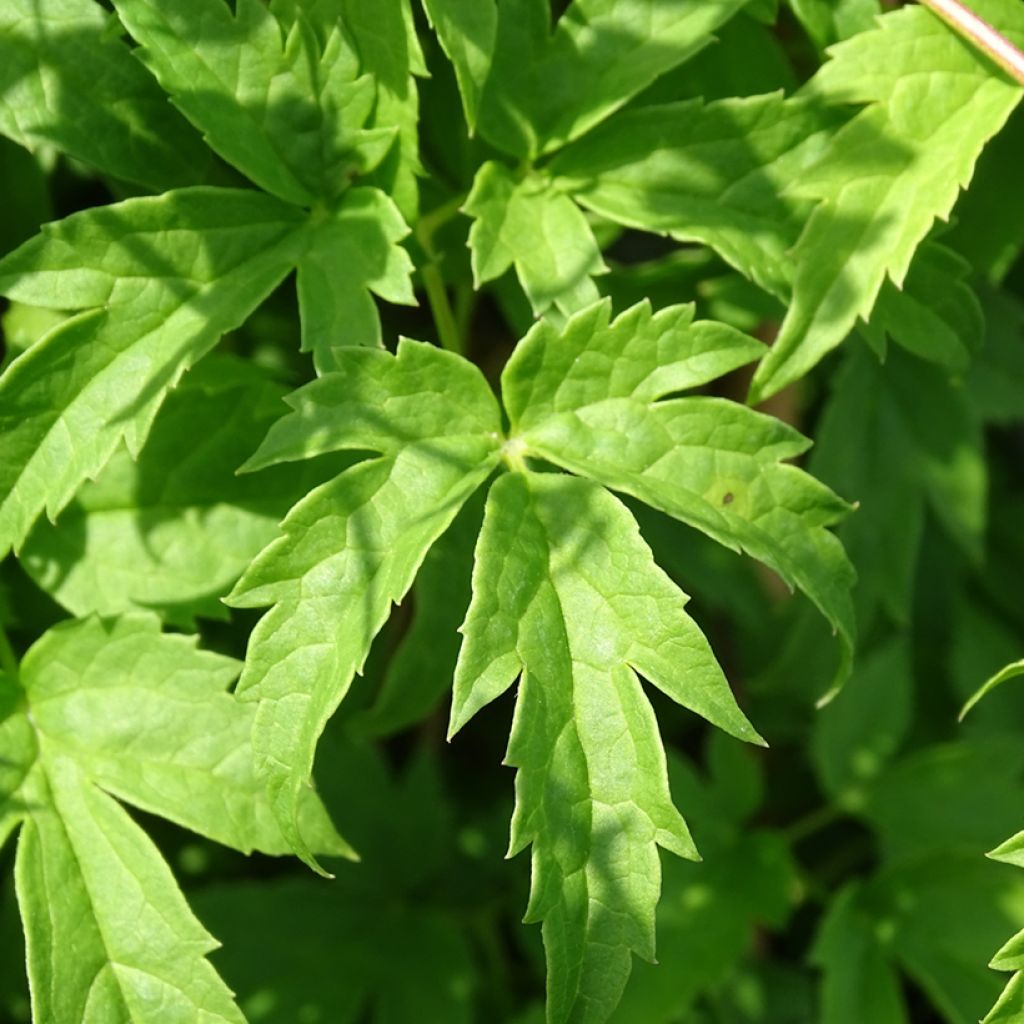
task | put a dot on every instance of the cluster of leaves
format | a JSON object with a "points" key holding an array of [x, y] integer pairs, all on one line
{"points": [[604, 210]]}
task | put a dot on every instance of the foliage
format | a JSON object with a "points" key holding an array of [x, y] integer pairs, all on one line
{"points": [[520, 273]]}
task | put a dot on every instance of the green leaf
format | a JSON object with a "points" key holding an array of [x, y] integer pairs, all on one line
{"points": [[20, 750], [115, 708], [1010, 1006], [398, 957], [528, 223], [932, 104], [161, 279], [710, 913], [988, 220], [352, 253], [67, 81], [388, 48], [410, 965], [108, 934], [949, 915], [531, 88], [174, 530], [420, 671], [592, 400], [996, 380], [713, 173], [1010, 672], [859, 982], [830, 21], [859, 732], [898, 438], [928, 802], [936, 314], [280, 105], [352, 547], [466, 30], [566, 593], [145, 716], [935, 918]]}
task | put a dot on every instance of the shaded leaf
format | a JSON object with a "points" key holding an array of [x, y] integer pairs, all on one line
{"points": [[566, 593], [160, 280], [352, 547]]}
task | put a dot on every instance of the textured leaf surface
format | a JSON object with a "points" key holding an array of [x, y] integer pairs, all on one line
{"points": [[174, 530], [285, 109], [118, 708], [352, 547], [566, 594], [932, 104], [714, 173], [353, 253], [710, 913], [160, 279], [109, 936], [388, 47], [528, 223], [67, 81], [593, 401], [531, 88]]}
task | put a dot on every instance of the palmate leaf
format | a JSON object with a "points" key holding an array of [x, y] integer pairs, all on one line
{"points": [[593, 400], [932, 104], [159, 280], [302, 102], [567, 594], [106, 709], [67, 81], [531, 88], [352, 547], [564, 590]]}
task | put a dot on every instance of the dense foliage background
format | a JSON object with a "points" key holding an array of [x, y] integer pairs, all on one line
{"points": [[844, 877]]}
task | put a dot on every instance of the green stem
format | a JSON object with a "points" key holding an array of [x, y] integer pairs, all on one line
{"points": [[430, 223], [448, 331], [8, 661], [441, 308], [980, 34], [815, 821]]}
